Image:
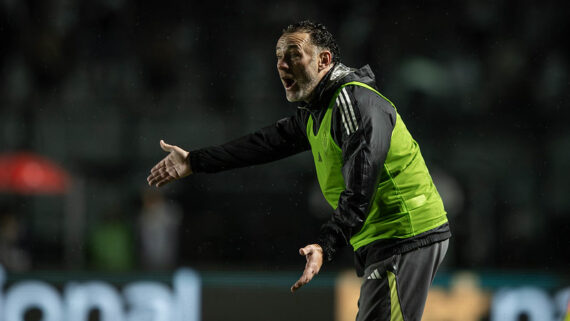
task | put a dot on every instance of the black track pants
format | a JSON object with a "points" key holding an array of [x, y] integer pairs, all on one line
{"points": [[396, 289]]}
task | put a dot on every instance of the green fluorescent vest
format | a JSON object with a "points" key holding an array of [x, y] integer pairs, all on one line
{"points": [[406, 201]]}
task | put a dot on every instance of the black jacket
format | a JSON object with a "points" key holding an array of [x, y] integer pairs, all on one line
{"points": [[362, 128]]}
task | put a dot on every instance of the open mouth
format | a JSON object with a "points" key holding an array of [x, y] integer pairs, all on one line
{"points": [[288, 83]]}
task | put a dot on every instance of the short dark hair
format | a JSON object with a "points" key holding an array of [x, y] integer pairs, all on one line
{"points": [[319, 34]]}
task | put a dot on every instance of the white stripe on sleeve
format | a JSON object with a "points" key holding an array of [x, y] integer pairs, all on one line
{"points": [[350, 108], [342, 116], [346, 115]]}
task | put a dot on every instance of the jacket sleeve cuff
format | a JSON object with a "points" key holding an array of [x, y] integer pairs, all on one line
{"points": [[328, 251], [331, 238], [327, 243], [193, 160]]}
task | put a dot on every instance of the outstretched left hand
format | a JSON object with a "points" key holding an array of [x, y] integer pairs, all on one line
{"points": [[314, 255], [172, 167]]}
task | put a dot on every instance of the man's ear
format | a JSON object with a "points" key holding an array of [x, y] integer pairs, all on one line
{"points": [[325, 59]]}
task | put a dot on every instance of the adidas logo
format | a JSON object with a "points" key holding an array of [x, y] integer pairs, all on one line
{"points": [[375, 275]]}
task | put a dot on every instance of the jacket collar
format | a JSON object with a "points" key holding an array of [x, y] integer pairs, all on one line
{"points": [[336, 76]]}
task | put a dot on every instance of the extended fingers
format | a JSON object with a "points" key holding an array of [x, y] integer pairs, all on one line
{"points": [[297, 285], [160, 165], [159, 179], [307, 276], [161, 174], [311, 269], [155, 177], [164, 181], [302, 281]]}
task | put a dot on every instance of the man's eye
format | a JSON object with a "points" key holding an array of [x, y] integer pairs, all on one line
{"points": [[295, 56]]}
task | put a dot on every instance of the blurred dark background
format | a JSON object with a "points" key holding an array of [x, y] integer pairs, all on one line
{"points": [[94, 85]]}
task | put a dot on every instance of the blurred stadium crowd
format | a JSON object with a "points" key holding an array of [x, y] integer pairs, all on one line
{"points": [[94, 86]]}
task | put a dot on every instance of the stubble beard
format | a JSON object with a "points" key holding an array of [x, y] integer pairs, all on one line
{"points": [[305, 90]]}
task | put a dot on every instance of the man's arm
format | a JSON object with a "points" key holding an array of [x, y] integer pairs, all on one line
{"points": [[284, 138], [365, 141]]}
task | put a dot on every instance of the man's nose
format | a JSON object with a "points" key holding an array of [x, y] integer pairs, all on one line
{"points": [[282, 65]]}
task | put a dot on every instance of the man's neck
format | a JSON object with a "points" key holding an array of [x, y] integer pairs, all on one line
{"points": [[319, 87]]}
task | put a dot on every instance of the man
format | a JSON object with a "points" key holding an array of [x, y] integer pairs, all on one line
{"points": [[369, 168]]}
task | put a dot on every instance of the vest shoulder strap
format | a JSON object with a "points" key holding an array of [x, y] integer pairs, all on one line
{"points": [[361, 84]]}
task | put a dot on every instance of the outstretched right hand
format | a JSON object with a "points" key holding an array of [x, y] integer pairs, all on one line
{"points": [[314, 255], [174, 166]]}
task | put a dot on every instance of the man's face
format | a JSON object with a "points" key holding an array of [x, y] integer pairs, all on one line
{"points": [[297, 64]]}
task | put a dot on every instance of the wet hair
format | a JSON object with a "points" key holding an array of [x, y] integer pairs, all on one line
{"points": [[319, 35]]}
